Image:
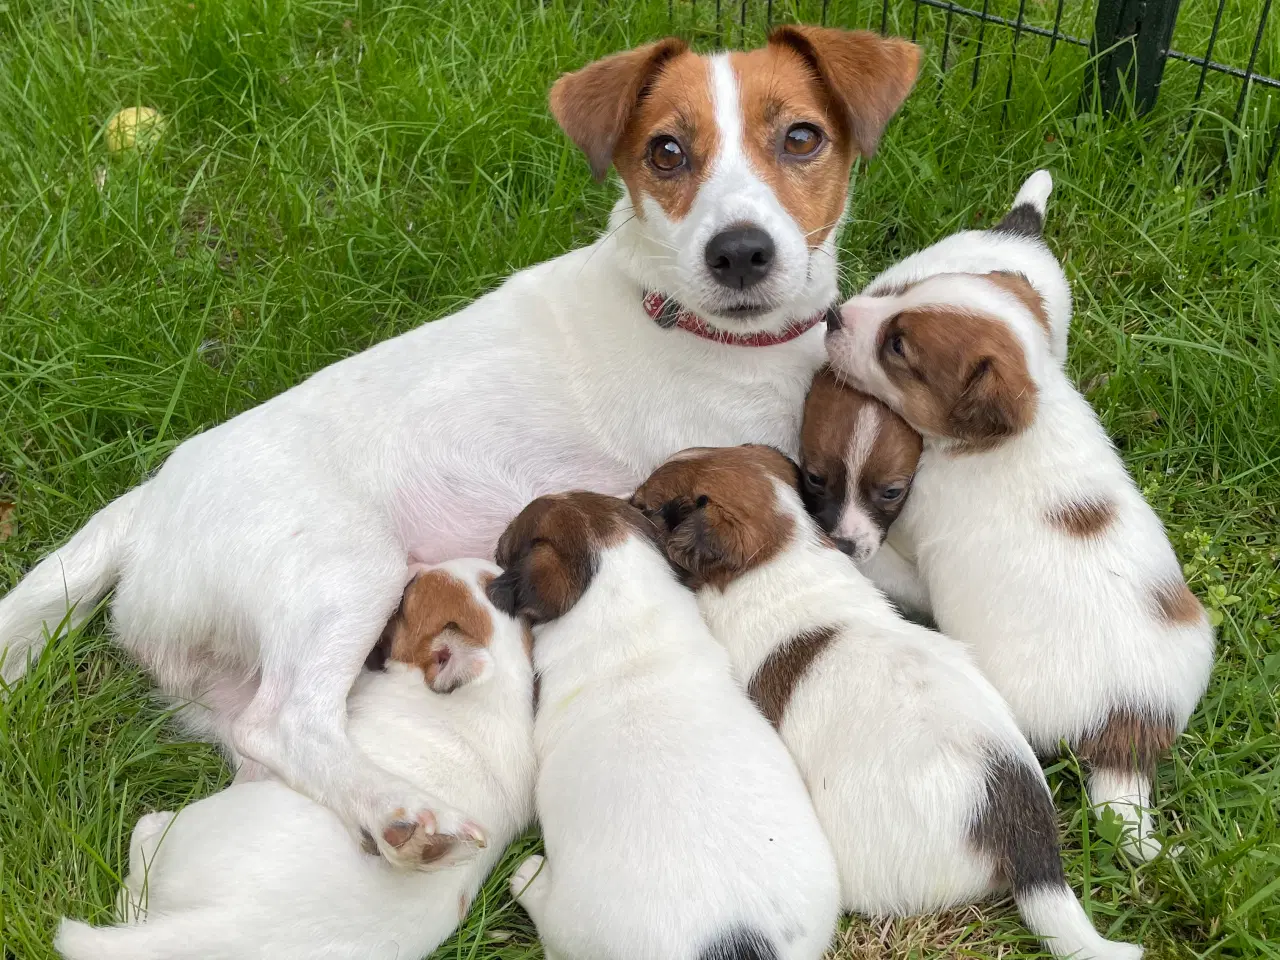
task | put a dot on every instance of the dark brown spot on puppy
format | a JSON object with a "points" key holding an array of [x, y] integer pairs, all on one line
{"points": [[1018, 285], [776, 679], [1175, 604], [1086, 519], [720, 511], [961, 375], [438, 614], [1128, 740], [551, 550], [1017, 826]]}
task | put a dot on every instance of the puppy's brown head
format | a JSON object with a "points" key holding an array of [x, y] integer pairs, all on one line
{"points": [[857, 461], [952, 354], [442, 627], [720, 509], [551, 551]]}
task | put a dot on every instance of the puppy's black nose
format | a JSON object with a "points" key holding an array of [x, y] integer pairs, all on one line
{"points": [[740, 257], [834, 322], [847, 547]]}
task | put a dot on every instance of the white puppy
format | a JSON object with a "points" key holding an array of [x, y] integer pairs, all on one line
{"points": [[927, 791], [676, 826], [253, 572], [259, 872], [1033, 544]]}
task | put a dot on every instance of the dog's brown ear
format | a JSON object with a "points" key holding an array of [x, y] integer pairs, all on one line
{"points": [[998, 401], [545, 583], [869, 75], [593, 105]]}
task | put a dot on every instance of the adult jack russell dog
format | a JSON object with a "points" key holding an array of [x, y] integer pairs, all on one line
{"points": [[254, 572]]}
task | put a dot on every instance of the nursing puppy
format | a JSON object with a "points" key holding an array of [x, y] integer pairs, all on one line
{"points": [[254, 571], [927, 791], [676, 826], [1032, 542], [259, 872], [857, 461]]}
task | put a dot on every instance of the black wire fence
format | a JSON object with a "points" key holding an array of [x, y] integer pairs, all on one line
{"points": [[1120, 47]]}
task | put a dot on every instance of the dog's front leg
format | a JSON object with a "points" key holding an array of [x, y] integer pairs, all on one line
{"points": [[296, 724]]}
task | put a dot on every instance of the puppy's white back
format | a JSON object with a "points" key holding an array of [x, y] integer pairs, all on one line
{"points": [[259, 871], [672, 813]]}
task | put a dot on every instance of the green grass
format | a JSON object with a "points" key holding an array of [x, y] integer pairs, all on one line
{"points": [[335, 172]]}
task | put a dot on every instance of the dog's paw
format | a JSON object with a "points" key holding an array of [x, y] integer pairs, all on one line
{"points": [[427, 838], [525, 875]]}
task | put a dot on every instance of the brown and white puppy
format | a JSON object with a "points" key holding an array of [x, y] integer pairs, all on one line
{"points": [[260, 872], [928, 793], [676, 825], [857, 460], [1030, 538]]}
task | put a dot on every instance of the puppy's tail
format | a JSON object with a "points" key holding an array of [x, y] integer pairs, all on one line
{"points": [[1017, 828], [1026, 217], [64, 586], [185, 936]]}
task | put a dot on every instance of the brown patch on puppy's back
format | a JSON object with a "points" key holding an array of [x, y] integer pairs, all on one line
{"points": [[1018, 285], [775, 680], [1128, 740], [1086, 519], [1174, 603], [1017, 826]]}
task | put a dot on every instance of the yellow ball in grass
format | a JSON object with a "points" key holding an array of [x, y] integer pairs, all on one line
{"points": [[133, 128]]}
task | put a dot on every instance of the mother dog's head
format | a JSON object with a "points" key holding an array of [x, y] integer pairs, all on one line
{"points": [[736, 165]]}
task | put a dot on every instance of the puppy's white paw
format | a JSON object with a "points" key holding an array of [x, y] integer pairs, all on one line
{"points": [[525, 875], [426, 838]]}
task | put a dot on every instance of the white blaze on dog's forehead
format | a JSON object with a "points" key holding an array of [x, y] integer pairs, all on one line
{"points": [[728, 114]]}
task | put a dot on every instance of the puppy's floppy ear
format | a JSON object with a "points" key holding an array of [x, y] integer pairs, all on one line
{"points": [[454, 661], [593, 105], [545, 583], [868, 75], [696, 543], [998, 401]]}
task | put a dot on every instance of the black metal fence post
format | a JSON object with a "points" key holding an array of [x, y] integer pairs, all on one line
{"points": [[1131, 40]]}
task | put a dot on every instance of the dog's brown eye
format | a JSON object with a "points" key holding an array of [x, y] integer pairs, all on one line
{"points": [[816, 480], [802, 140], [666, 154], [702, 501], [896, 346]]}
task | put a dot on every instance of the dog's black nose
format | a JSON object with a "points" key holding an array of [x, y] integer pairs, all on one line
{"points": [[740, 257]]}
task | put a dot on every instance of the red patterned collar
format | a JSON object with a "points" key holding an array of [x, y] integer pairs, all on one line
{"points": [[667, 313]]}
